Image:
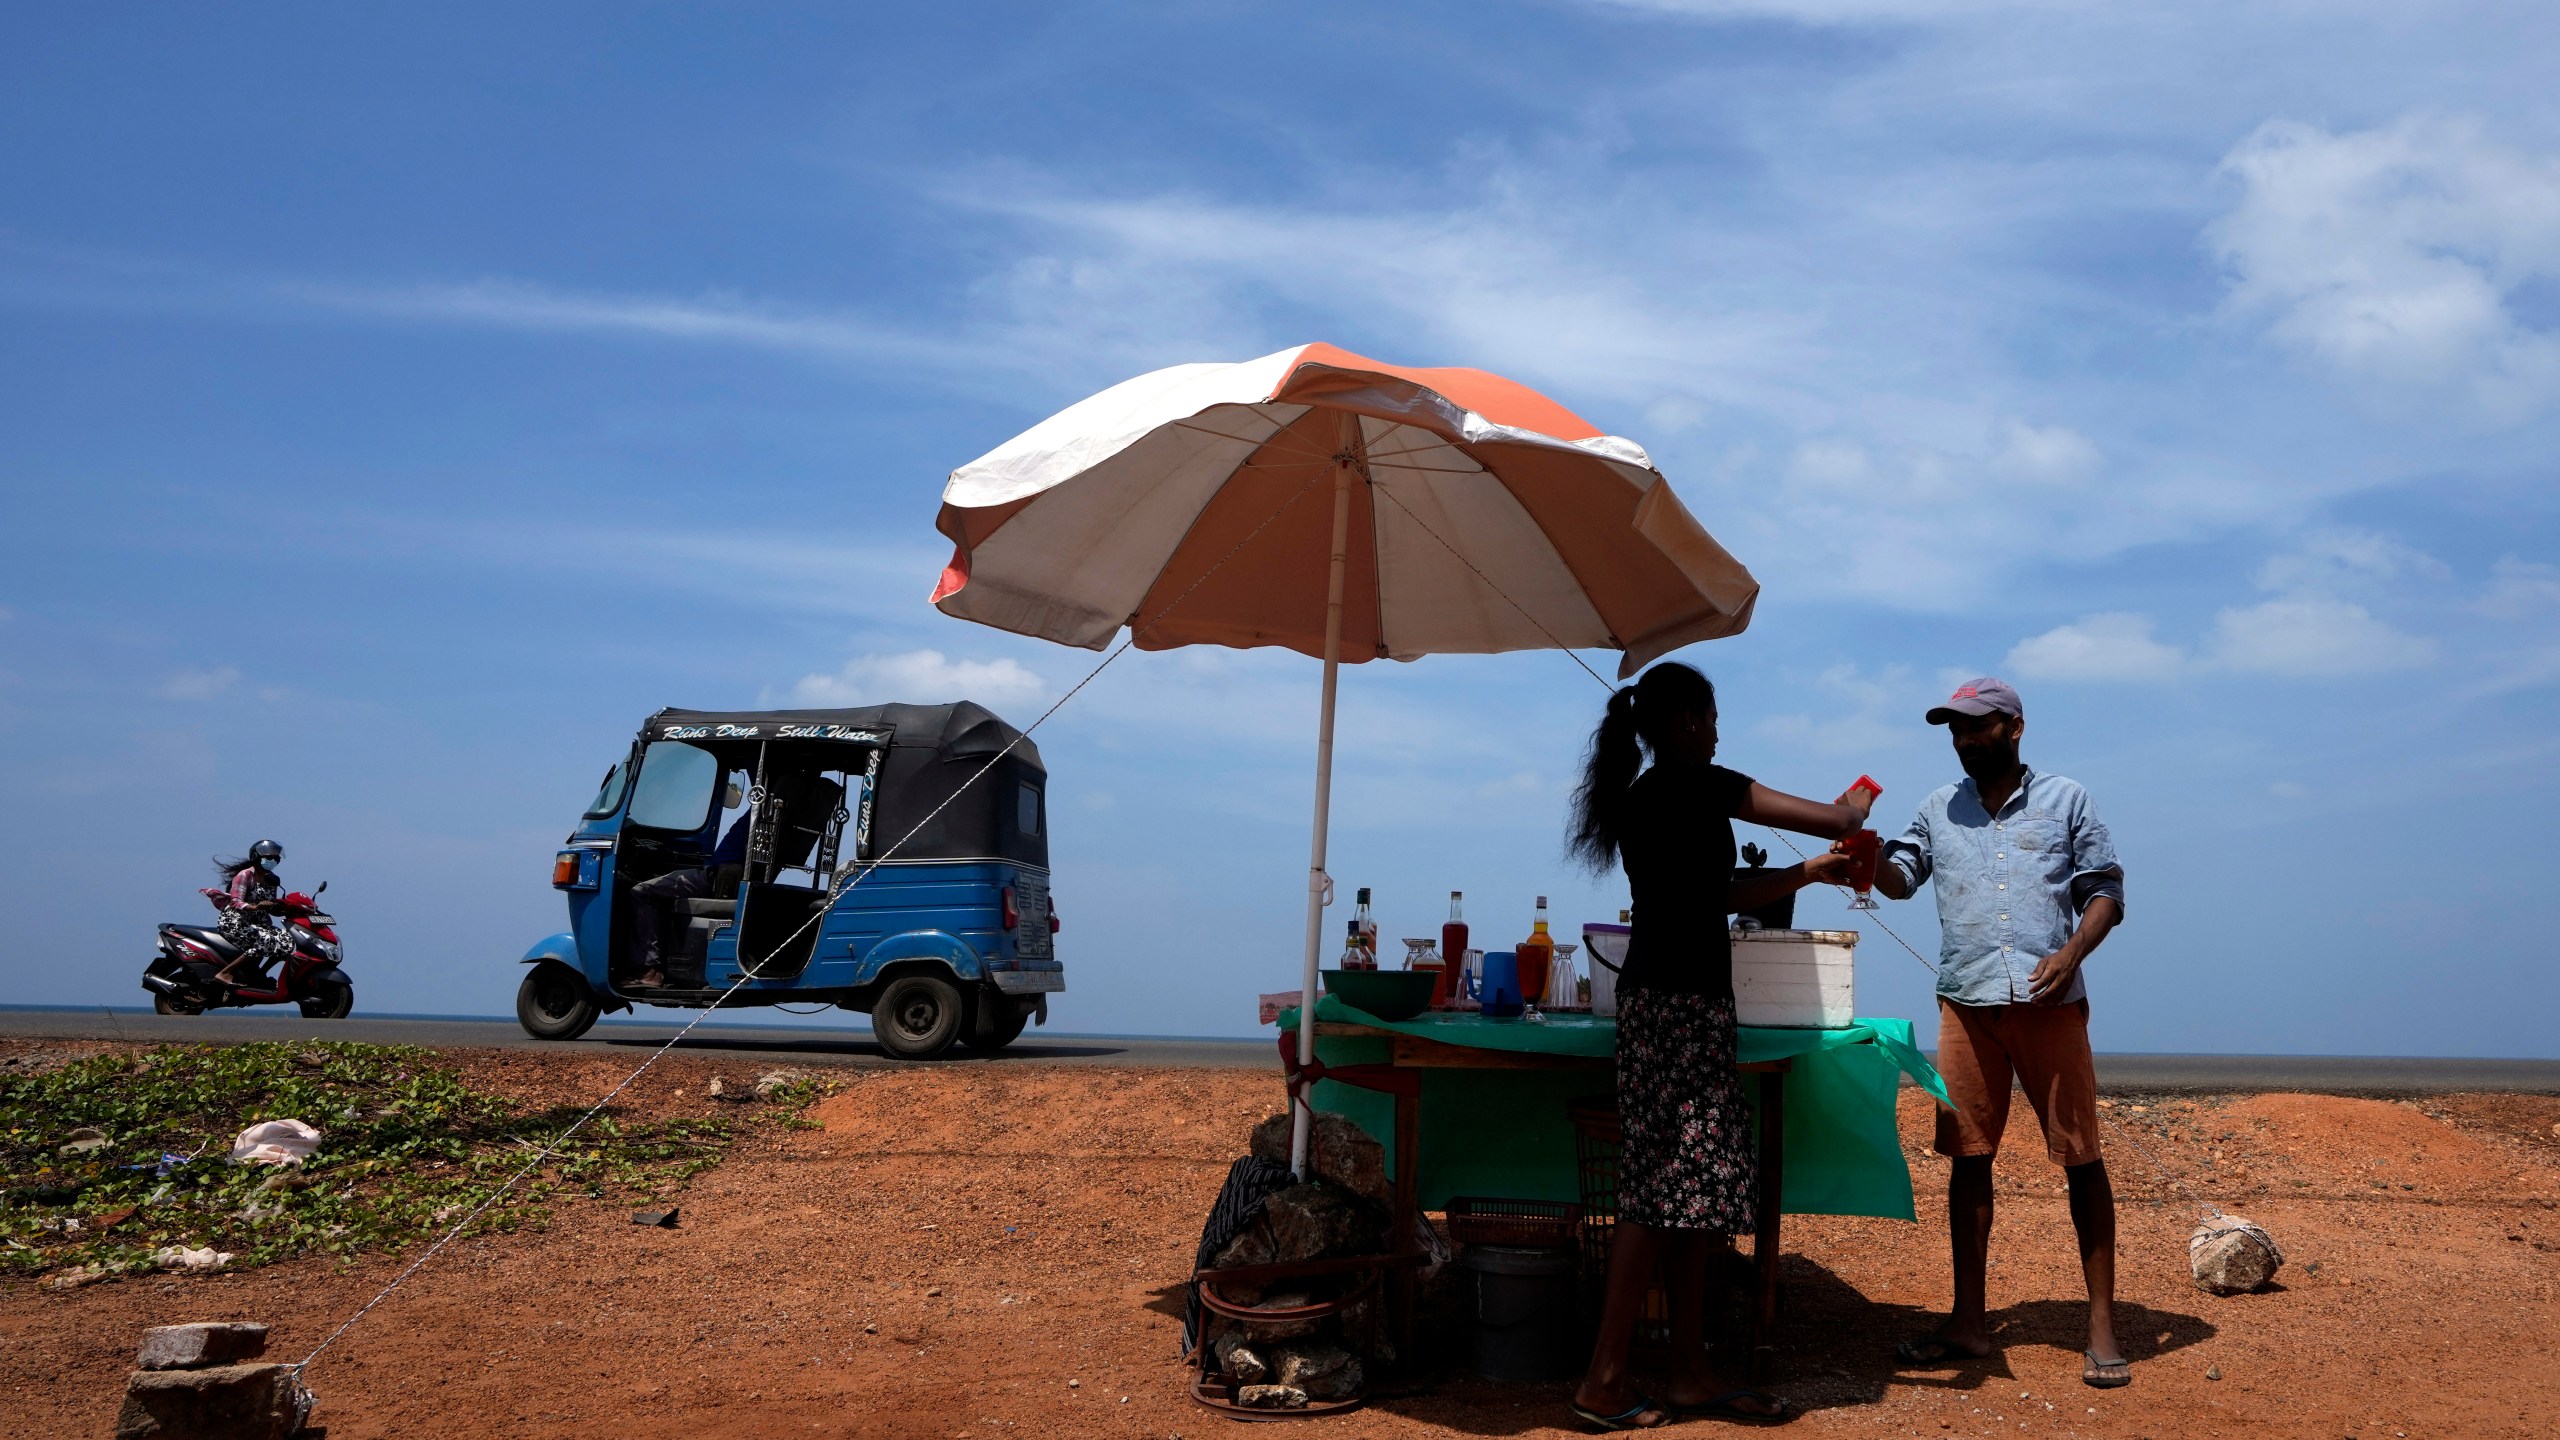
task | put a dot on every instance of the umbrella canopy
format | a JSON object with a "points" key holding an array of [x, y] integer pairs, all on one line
{"points": [[1489, 518], [1469, 514]]}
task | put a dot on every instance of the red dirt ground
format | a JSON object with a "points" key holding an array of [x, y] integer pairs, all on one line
{"points": [[991, 1250]]}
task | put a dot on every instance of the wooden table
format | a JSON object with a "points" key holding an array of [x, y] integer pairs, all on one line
{"points": [[1412, 1052]]}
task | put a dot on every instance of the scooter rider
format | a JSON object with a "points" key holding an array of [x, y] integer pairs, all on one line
{"points": [[251, 886]]}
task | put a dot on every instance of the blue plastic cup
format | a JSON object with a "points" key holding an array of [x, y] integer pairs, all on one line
{"points": [[1501, 989]]}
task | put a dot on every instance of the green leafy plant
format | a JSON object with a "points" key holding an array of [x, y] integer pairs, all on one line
{"points": [[407, 1149]]}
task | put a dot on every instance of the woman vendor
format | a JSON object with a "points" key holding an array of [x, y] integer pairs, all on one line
{"points": [[1687, 1176]]}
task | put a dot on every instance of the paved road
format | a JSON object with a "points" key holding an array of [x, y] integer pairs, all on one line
{"points": [[2332, 1074], [813, 1045]]}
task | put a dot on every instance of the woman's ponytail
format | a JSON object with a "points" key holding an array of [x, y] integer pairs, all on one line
{"points": [[1641, 717], [1607, 771]]}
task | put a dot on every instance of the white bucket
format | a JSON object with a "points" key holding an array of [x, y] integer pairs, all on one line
{"points": [[1607, 947]]}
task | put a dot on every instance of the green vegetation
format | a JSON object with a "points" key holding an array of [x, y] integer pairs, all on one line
{"points": [[407, 1148]]}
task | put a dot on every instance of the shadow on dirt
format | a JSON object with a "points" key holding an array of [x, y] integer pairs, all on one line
{"points": [[1835, 1352]]}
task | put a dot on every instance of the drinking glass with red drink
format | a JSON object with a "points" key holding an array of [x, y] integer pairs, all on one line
{"points": [[1863, 849]]}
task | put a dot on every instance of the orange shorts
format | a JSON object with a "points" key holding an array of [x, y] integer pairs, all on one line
{"points": [[2046, 1049]]}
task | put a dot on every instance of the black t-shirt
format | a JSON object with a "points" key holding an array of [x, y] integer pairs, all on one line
{"points": [[1677, 846]]}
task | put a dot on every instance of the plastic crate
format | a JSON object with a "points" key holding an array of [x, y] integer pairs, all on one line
{"points": [[1597, 1137], [1529, 1224]]}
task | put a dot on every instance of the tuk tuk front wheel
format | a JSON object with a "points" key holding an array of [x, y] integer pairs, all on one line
{"points": [[555, 1002], [918, 1016]]}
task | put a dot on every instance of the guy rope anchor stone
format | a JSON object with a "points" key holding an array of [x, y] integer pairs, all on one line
{"points": [[197, 1383]]}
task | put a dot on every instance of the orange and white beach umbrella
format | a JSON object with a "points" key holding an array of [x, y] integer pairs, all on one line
{"points": [[1321, 501], [1483, 517]]}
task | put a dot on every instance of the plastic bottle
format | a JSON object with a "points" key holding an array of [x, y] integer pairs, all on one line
{"points": [[1453, 952], [1537, 954]]}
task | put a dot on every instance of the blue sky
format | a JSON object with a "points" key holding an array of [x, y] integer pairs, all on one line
{"points": [[395, 407]]}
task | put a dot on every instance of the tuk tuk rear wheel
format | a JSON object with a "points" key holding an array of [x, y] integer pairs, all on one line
{"points": [[987, 1039], [918, 1017], [555, 1002]]}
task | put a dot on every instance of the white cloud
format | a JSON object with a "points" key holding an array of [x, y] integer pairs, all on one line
{"points": [[2519, 588], [922, 677], [716, 318], [2311, 636], [199, 684], [2109, 647], [2054, 455], [2392, 255], [2341, 561], [1821, 12], [1865, 712]]}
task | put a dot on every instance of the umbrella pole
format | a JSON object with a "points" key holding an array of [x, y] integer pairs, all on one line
{"points": [[1302, 1122]]}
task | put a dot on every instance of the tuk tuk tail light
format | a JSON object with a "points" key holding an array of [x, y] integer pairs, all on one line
{"points": [[1012, 916], [564, 869]]}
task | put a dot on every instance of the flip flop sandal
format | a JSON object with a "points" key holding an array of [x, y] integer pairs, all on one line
{"points": [[1724, 1407], [1627, 1419], [1934, 1352], [2095, 1377]]}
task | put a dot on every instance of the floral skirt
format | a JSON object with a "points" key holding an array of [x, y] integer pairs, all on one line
{"points": [[1687, 1161]]}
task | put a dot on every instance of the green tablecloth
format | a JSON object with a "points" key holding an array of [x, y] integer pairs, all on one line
{"points": [[1504, 1132]]}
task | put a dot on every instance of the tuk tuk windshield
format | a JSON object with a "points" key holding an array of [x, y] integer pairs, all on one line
{"points": [[676, 788], [608, 794]]}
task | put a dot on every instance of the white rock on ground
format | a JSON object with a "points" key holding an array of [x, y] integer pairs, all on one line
{"points": [[2231, 1256]]}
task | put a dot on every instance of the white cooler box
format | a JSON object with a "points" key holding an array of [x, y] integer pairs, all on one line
{"points": [[1794, 979]]}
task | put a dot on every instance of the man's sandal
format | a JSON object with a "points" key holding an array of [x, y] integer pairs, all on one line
{"points": [[1631, 1418], [2105, 1374]]}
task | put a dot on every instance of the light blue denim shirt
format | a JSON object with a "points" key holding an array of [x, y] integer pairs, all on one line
{"points": [[2010, 886]]}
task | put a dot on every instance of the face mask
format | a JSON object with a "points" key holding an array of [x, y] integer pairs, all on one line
{"points": [[266, 867]]}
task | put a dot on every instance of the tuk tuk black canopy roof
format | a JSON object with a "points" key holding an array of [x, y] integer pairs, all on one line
{"points": [[956, 731], [933, 775]]}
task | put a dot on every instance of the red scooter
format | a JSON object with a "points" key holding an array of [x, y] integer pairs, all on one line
{"points": [[181, 977]]}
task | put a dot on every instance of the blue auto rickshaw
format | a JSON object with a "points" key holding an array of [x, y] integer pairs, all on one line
{"points": [[886, 867]]}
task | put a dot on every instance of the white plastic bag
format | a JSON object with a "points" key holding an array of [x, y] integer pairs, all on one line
{"points": [[275, 1142]]}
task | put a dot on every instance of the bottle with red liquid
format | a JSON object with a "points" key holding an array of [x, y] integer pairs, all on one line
{"points": [[1453, 952]]}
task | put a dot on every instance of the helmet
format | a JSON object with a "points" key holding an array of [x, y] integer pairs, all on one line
{"points": [[265, 854]]}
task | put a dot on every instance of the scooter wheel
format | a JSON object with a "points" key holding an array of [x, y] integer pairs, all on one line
{"points": [[329, 1002], [163, 1005]]}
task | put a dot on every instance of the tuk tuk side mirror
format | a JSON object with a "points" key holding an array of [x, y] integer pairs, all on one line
{"points": [[734, 796]]}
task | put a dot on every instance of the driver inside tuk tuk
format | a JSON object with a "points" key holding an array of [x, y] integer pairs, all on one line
{"points": [[661, 897]]}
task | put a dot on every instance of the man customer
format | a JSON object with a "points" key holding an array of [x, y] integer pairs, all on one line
{"points": [[2028, 885]]}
